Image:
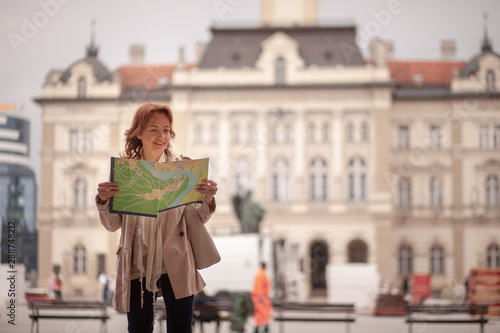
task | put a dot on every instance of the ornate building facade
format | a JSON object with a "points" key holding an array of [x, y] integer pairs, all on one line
{"points": [[381, 162]]}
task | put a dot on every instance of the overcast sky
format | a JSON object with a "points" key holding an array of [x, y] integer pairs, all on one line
{"points": [[62, 30]]}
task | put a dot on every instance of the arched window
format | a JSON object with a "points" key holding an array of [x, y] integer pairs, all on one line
{"points": [[80, 193], [319, 180], [243, 179], [319, 260], [493, 256], [79, 260], [280, 71], [404, 192], [492, 191], [405, 260], [437, 260], [357, 180], [490, 81], [436, 190], [358, 251], [280, 180], [82, 87]]}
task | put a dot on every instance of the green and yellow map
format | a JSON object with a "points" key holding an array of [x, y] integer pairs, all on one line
{"points": [[147, 188]]}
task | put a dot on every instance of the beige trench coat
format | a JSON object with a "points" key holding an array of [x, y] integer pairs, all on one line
{"points": [[177, 253]]}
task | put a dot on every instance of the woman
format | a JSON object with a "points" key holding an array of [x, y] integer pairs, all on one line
{"points": [[154, 254]]}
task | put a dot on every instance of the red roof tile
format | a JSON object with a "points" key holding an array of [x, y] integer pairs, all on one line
{"points": [[433, 72], [146, 76]]}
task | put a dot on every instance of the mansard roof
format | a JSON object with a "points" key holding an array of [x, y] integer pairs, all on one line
{"points": [[473, 65], [101, 73], [240, 47]]}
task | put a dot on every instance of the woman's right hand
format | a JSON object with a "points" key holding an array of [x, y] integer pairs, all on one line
{"points": [[106, 190]]}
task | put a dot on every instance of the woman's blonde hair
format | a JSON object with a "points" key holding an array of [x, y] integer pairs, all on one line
{"points": [[133, 146]]}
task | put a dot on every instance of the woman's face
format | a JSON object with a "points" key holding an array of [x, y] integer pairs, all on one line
{"points": [[156, 135]]}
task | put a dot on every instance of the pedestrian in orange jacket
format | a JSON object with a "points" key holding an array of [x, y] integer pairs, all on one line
{"points": [[262, 304]]}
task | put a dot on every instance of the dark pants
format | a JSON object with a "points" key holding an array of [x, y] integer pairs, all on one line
{"points": [[179, 311]]}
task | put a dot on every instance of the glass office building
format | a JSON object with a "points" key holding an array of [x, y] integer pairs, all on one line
{"points": [[17, 192]]}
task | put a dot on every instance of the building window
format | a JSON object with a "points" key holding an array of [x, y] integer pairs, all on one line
{"points": [[311, 132], [80, 193], [243, 179], [79, 260], [404, 192], [350, 132], [214, 138], [403, 138], [364, 132], [496, 137], [357, 180], [88, 141], [288, 133], [490, 81], [405, 260], [280, 71], [437, 260], [326, 132], [73, 140], [280, 181], [319, 180], [436, 190], [493, 256], [483, 136], [82, 87], [198, 133], [250, 133], [492, 191], [236, 133], [435, 137], [358, 251]]}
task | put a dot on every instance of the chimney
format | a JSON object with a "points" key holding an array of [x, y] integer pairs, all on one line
{"points": [[381, 51], [136, 54], [448, 49], [200, 51]]}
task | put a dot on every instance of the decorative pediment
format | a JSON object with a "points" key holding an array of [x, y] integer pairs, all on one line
{"points": [[280, 45]]}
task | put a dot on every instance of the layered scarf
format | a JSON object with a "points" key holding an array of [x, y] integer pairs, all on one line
{"points": [[148, 256]]}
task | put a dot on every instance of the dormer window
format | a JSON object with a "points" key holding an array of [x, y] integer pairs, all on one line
{"points": [[490, 81], [418, 79], [328, 56], [82, 87], [280, 71]]}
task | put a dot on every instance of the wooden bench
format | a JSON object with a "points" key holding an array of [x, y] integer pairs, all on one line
{"points": [[317, 312], [432, 314], [67, 310], [203, 312]]}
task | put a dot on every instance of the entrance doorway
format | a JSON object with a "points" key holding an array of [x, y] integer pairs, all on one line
{"points": [[319, 260]]}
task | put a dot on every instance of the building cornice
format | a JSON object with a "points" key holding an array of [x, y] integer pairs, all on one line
{"points": [[419, 95]]}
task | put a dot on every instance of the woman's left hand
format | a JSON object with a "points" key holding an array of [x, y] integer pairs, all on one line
{"points": [[208, 189]]}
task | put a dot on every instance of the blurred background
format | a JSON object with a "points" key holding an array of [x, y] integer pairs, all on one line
{"points": [[356, 144]]}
